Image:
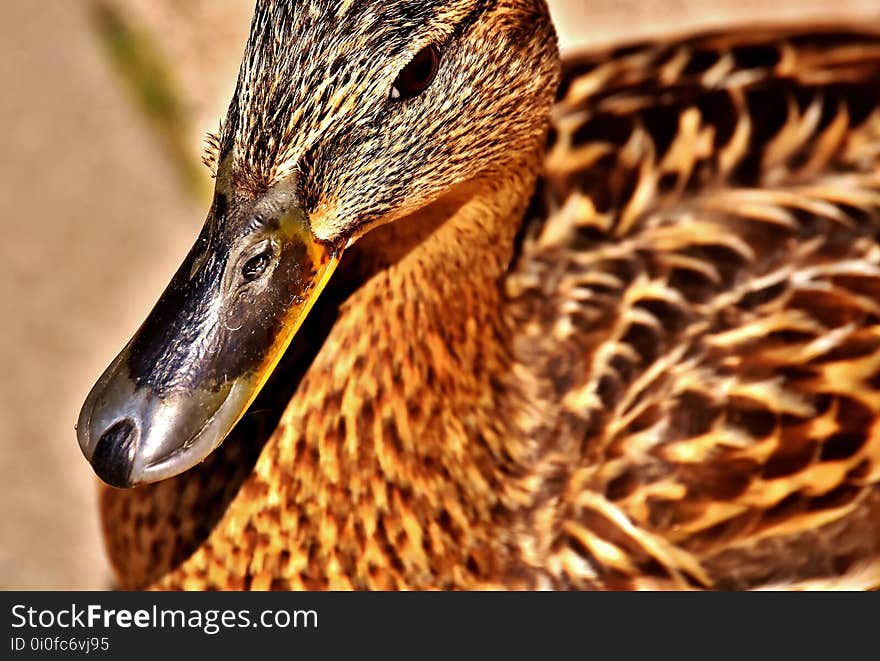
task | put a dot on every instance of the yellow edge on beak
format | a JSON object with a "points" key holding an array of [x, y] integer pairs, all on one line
{"points": [[329, 262]]}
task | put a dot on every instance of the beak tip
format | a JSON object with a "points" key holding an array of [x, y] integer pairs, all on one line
{"points": [[113, 456]]}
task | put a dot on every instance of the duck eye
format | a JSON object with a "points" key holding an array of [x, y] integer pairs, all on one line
{"points": [[255, 266], [417, 75]]}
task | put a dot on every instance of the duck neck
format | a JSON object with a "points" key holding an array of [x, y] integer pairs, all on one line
{"points": [[404, 447]]}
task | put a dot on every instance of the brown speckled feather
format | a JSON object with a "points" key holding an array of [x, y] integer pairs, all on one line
{"points": [[677, 384], [702, 310]]}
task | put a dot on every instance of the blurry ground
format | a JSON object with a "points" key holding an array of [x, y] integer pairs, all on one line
{"points": [[96, 211]]}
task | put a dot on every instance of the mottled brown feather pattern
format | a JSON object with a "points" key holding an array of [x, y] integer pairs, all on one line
{"points": [[669, 377], [701, 307]]}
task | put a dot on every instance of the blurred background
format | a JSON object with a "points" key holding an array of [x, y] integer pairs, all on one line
{"points": [[104, 107]]}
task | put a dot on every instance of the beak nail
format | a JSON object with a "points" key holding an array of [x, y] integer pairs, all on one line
{"points": [[114, 453]]}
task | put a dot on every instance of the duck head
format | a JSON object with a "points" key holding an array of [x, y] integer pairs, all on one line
{"points": [[347, 115]]}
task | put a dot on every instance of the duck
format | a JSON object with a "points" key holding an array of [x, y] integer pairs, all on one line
{"points": [[468, 315]]}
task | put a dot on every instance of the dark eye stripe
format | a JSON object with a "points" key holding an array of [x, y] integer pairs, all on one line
{"points": [[416, 76]]}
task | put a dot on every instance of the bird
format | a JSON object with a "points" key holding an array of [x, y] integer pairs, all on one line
{"points": [[466, 314]]}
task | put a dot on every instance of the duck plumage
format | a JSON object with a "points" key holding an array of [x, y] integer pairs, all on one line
{"points": [[702, 305], [646, 355]]}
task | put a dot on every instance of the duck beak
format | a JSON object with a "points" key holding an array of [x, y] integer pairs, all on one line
{"points": [[203, 354]]}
